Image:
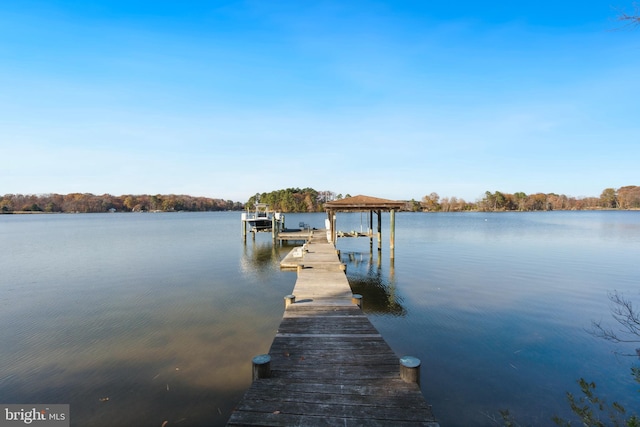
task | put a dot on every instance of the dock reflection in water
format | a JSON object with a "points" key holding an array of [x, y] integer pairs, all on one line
{"points": [[259, 256], [368, 279]]}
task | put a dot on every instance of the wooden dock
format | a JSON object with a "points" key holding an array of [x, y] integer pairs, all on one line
{"points": [[328, 365]]}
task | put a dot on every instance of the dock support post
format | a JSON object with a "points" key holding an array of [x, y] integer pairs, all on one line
{"points": [[371, 231], [357, 300], [261, 366], [244, 226], [288, 300], [334, 232], [392, 234], [410, 369], [379, 212], [274, 230]]}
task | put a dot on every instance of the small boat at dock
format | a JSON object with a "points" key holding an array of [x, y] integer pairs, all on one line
{"points": [[261, 218]]}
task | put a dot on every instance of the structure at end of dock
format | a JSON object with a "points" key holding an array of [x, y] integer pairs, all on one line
{"points": [[372, 205]]}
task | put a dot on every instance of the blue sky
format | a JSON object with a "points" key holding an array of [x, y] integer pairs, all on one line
{"points": [[393, 99]]}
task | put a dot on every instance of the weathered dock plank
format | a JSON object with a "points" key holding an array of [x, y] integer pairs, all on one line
{"points": [[329, 365], [299, 235]]}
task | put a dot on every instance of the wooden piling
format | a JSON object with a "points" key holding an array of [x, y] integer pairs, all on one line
{"points": [[371, 231], [261, 367], [288, 300], [357, 300], [379, 212], [410, 369], [243, 222], [392, 233], [274, 229]]}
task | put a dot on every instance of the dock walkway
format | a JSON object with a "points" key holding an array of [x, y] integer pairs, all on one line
{"points": [[329, 365]]}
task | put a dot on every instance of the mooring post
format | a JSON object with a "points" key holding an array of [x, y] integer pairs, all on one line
{"points": [[261, 366], [410, 369], [357, 300], [288, 300]]}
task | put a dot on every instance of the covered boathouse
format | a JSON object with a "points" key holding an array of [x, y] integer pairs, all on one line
{"points": [[373, 205]]}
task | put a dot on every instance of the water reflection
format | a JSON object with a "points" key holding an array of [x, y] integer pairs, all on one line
{"points": [[259, 255], [96, 306], [154, 323], [377, 287], [165, 361]]}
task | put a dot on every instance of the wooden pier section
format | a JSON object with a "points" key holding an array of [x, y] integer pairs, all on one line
{"points": [[328, 365]]}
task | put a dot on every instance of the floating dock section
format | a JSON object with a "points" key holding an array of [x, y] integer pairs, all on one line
{"points": [[328, 365]]}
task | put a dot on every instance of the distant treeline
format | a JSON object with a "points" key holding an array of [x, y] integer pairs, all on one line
{"points": [[623, 198], [288, 200], [87, 202], [310, 200]]}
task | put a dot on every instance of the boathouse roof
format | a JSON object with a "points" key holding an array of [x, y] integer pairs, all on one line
{"points": [[360, 203]]}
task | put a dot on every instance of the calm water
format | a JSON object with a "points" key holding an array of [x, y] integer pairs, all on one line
{"points": [[161, 313]]}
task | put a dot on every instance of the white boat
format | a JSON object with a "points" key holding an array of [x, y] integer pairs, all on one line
{"points": [[261, 218]]}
